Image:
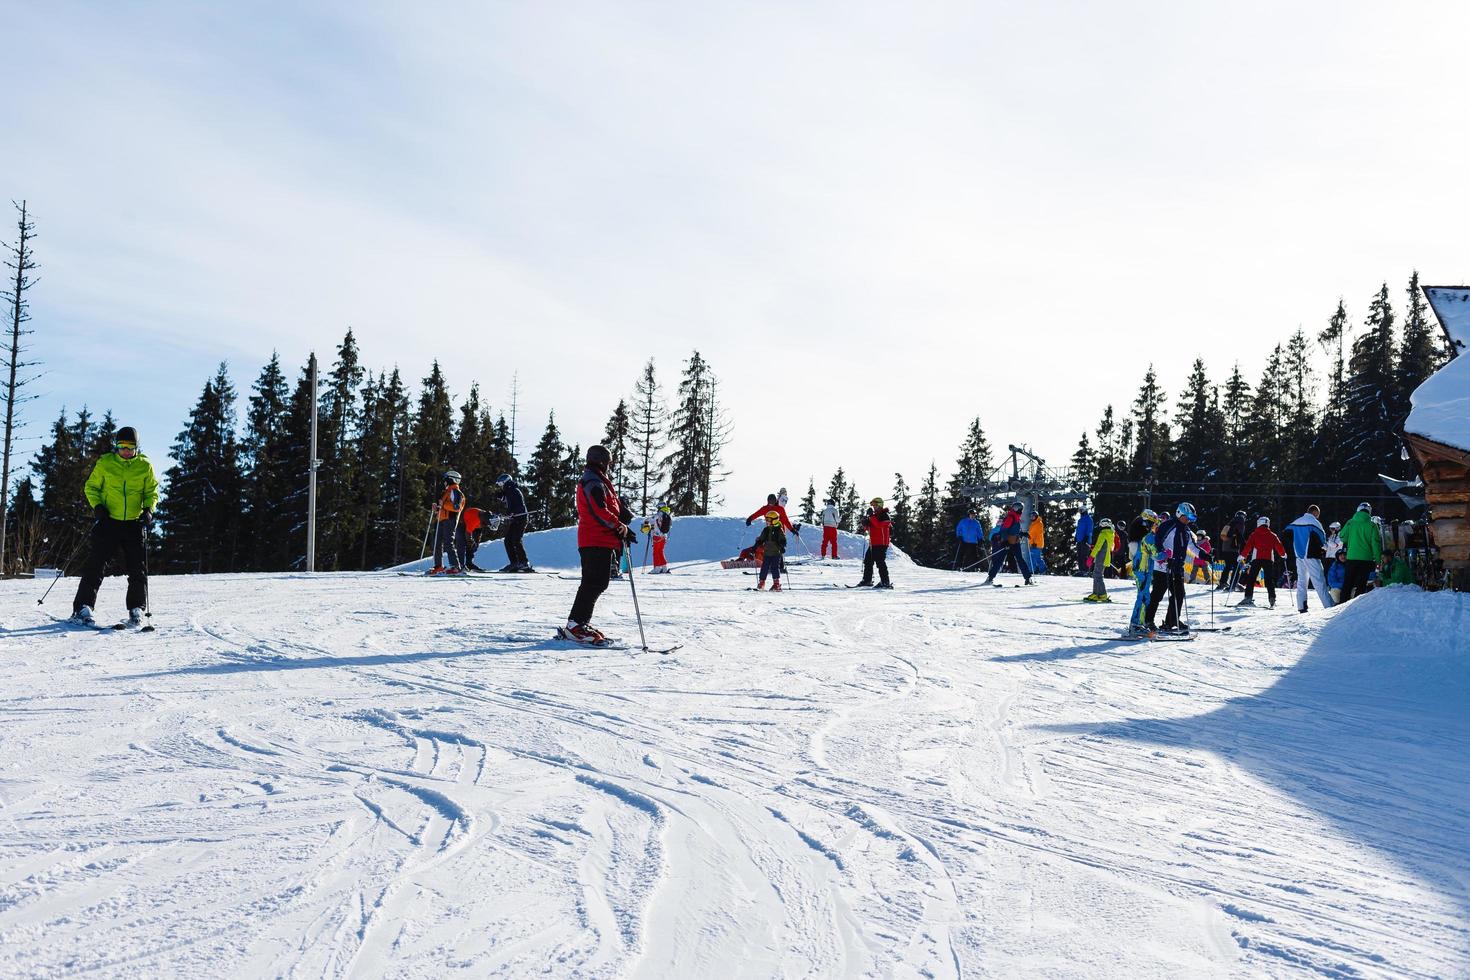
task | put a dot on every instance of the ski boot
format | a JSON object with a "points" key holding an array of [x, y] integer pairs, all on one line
{"points": [[775, 586], [1247, 601], [84, 616], [884, 585], [760, 586], [135, 617]]}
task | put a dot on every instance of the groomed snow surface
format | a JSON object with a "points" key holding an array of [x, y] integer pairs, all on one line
{"points": [[366, 774]]}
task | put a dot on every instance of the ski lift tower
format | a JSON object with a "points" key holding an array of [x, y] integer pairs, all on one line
{"points": [[1032, 483]]}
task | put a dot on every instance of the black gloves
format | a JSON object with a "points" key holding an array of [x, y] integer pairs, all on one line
{"points": [[145, 517], [629, 535], [796, 530], [101, 511], [748, 521]]}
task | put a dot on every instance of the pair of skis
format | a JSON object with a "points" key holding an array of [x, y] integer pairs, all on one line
{"points": [[92, 624], [611, 643]]}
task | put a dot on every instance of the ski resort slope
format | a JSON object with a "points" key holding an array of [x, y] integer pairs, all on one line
{"points": [[366, 774]]}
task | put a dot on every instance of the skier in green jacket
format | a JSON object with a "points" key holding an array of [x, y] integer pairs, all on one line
{"points": [[1363, 545], [123, 491]]}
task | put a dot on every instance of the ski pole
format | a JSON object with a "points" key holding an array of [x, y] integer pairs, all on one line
{"points": [[147, 597], [955, 561], [428, 526], [643, 637], [65, 565]]}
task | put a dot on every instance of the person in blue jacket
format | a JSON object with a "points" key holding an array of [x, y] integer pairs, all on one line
{"points": [[969, 532], [1083, 540]]}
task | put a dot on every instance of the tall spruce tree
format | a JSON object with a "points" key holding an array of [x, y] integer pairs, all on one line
{"points": [[264, 460], [545, 477], [338, 423], [1152, 454], [902, 513], [15, 372], [697, 433], [1372, 432], [201, 512], [1419, 353], [838, 490], [645, 468], [433, 440], [972, 467], [60, 468], [809, 503], [617, 437]]}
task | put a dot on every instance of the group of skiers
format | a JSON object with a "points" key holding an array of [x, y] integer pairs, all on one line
{"points": [[460, 528]]}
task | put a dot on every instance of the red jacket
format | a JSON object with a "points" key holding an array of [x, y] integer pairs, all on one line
{"points": [[1262, 544], [760, 515], [471, 520], [880, 527], [598, 508]]}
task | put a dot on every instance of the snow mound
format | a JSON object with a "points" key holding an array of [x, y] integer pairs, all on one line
{"points": [[693, 539], [1442, 403], [1378, 648]]}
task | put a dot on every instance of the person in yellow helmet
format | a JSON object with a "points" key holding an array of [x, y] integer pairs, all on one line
{"points": [[773, 540], [1102, 550], [123, 492]]}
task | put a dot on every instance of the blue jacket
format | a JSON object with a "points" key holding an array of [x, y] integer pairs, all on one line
{"points": [[969, 531], [1084, 529], [1336, 572], [1307, 537]]}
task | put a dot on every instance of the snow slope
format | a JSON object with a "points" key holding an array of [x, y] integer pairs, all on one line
{"points": [[365, 774], [692, 539]]}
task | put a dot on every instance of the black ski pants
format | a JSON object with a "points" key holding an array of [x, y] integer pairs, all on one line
{"points": [[1261, 565], [1355, 577], [1171, 582], [597, 566], [108, 536], [969, 556], [1013, 552], [876, 556], [515, 530], [1230, 573]]}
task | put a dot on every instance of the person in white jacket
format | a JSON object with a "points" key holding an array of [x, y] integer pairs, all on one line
{"points": [[1309, 543], [1334, 542], [830, 519]]}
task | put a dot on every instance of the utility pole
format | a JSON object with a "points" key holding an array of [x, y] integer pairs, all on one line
{"points": [[515, 397], [312, 464]]}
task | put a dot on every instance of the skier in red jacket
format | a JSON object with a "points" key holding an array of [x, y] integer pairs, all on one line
{"points": [[880, 534], [602, 529], [1262, 549]]}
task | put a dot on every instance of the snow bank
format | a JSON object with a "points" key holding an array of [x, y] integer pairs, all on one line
{"points": [[1442, 404], [1380, 647], [693, 539]]}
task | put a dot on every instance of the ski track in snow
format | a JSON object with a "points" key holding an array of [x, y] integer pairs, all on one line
{"points": [[371, 774]]}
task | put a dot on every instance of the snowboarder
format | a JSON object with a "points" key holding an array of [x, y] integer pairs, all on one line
{"points": [[662, 523], [830, 520], [1102, 550], [1232, 540], [1309, 542], [513, 519], [969, 532], [449, 535], [602, 529], [1009, 532], [1082, 540], [123, 492], [1363, 546], [880, 533], [773, 538], [1262, 549], [1175, 542]]}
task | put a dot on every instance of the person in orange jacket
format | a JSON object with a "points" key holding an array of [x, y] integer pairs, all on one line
{"points": [[1036, 534], [450, 536]]}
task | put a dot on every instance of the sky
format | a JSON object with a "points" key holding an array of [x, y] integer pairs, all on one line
{"points": [[876, 221]]}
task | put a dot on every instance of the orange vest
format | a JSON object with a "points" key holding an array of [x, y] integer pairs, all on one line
{"points": [[447, 506]]}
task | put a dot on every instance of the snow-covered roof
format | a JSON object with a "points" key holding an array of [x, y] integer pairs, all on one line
{"points": [[1452, 305], [1442, 404]]}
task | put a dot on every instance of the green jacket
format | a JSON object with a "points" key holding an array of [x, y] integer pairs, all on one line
{"points": [[1399, 573], [774, 539], [126, 486], [1360, 538]]}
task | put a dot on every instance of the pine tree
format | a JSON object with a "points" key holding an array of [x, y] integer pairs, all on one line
{"points": [[339, 419], [837, 491], [697, 432], [902, 513], [263, 459], [927, 531], [544, 481], [1300, 411], [1084, 467], [17, 376], [617, 437], [561, 509], [1372, 434], [852, 507], [1328, 451], [809, 503], [1150, 460], [972, 468], [433, 441], [1419, 353], [201, 513], [60, 468], [646, 438]]}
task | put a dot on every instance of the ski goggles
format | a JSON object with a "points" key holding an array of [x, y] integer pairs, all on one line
{"points": [[129, 447]]}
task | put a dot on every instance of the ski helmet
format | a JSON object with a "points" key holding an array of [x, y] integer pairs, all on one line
{"points": [[451, 476], [1015, 505], [1240, 513], [598, 457], [1335, 526], [773, 518], [1365, 506], [1263, 521], [876, 502], [1185, 512], [1105, 524], [1149, 515], [502, 479], [830, 502], [664, 508], [126, 436]]}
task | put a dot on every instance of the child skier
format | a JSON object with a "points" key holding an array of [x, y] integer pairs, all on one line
{"points": [[449, 536], [830, 520], [1262, 549], [1143, 577], [662, 524], [880, 530], [1202, 561], [773, 538], [1175, 543], [1102, 550]]}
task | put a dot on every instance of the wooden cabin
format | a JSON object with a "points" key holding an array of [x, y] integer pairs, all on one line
{"points": [[1437, 432]]}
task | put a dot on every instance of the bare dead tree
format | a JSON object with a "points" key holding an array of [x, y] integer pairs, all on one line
{"points": [[21, 263]]}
